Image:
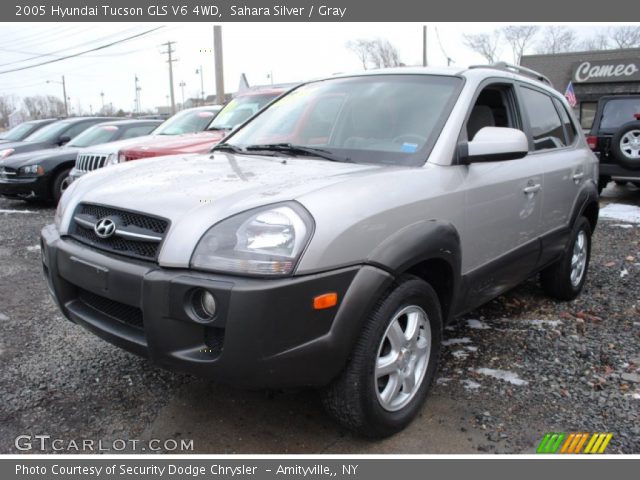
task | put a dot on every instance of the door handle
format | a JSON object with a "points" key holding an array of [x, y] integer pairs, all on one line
{"points": [[532, 189], [578, 176]]}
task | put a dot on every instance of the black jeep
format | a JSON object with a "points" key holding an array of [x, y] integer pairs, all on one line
{"points": [[615, 137]]}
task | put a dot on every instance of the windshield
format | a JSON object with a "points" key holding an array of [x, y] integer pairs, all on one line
{"points": [[187, 121], [618, 112], [392, 119], [49, 133], [95, 135], [240, 109], [18, 132]]}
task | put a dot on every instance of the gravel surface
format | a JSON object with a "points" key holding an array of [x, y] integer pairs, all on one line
{"points": [[512, 370]]}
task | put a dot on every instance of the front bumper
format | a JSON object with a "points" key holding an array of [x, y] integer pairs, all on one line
{"points": [[265, 334], [25, 187]]}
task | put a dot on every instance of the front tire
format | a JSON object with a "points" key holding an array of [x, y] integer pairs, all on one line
{"points": [[564, 279], [60, 184], [392, 366]]}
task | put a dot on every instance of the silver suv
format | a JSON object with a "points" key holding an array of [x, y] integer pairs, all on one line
{"points": [[329, 240]]}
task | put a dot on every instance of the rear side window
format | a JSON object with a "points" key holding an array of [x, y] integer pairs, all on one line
{"points": [[569, 128], [545, 124], [618, 112]]}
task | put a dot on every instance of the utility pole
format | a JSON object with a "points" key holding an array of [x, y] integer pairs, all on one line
{"points": [[199, 71], [102, 100], [64, 92], [170, 61], [182, 85], [424, 46], [137, 101], [217, 52]]}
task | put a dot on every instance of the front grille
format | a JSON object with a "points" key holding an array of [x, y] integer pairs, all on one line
{"points": [[87, 162], [7, 172], [126, 314], [143, 224]]}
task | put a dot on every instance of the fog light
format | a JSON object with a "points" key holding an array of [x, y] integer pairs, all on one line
{"points": [[204, 304]]}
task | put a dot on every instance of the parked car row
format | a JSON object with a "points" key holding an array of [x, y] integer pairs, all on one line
{"points": [[333, 233], [39, 159]]}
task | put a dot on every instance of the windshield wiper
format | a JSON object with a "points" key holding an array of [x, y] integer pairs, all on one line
{"points": [[299, 150], [227, 147], [219, 128]]}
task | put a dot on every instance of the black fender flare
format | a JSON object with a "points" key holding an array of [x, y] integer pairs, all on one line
{"points": [[587, 197]]}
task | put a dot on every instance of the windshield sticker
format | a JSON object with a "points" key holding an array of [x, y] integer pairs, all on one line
{"points": [[409, 147]]}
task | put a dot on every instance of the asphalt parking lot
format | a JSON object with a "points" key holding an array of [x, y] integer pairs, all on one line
{"points": [[511, 371]]}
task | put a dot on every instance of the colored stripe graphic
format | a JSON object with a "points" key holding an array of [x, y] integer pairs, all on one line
{"points": [[572, 443], [551, 442]]}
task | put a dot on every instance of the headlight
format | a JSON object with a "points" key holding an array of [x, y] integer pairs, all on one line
{"points": [[31, 170], [263, 241], [121, 157], [6, 152], [112, 159]]}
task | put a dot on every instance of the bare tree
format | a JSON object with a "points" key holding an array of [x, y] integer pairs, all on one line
{"points": [[627, 36], [41, 106], [599, 41], [485, 44], [377, 53], [557, 39], [361, 48], [519, 38], [7, 106]]}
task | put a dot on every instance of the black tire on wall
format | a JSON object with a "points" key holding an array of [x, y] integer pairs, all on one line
{"points": [[625, 145]]}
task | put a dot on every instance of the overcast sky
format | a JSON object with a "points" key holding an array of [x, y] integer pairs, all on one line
{"points": [[289, 51]]}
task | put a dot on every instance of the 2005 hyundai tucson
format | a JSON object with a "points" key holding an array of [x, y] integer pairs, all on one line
{"points": [[328, 240]]}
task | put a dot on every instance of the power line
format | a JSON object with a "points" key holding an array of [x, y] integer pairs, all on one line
{"points": [[53, 54], [101, 47], [449, 59]]}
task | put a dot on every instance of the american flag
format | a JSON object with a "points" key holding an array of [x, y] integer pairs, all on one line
{"points": [[570, 95]]}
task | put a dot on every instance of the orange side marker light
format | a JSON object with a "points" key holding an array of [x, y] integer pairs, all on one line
{"points": [[324, 301]]}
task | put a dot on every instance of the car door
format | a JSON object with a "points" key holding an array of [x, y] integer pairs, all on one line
{"points": [[503, 206], [553, 138]]}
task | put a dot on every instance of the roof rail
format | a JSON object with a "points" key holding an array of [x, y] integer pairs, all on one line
{"points": [[507, 67]]}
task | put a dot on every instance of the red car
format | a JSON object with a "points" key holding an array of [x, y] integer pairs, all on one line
{"points": [[241, 108]]}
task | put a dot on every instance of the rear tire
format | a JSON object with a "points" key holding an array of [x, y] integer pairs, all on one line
{"points": [[59, 185], [564, 279], [387, 378]]}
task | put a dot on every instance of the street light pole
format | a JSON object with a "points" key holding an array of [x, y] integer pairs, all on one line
{"points": [[64, 93], [182, 85], [199, 71]]}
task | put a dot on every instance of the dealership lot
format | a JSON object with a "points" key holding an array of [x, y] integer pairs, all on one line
{"points": [[511, 371]]}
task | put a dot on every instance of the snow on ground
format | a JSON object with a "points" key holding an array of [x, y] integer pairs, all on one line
{"points": [[477, 325], [33, 248], [470, 384], [456, 341], [505, 375], [4, 210], [621, 212]]}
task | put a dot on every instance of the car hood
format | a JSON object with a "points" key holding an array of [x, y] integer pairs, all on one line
{"points": [[114, 147], [198, 142], [54, 155], [195, 192], [20, 147]]}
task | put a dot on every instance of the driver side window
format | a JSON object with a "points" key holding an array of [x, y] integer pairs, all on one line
{"points": [[492, 108]]}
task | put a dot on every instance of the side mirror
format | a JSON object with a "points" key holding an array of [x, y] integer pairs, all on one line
{"points": [[494, 144], [64, 139]]}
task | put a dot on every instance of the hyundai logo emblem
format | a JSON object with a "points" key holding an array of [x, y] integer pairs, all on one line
{"points": [[105, 227]]}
